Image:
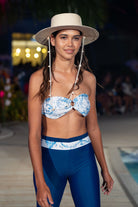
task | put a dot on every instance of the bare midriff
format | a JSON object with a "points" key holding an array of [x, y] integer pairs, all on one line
{"points": [[70, 125]]}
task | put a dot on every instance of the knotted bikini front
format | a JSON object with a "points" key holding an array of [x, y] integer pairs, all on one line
{"points": [[56, 106]]}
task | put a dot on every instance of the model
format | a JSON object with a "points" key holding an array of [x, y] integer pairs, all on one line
{"points": [[64, 136]]}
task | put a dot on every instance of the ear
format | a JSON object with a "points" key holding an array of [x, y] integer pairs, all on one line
{"points": [[52, 40]]}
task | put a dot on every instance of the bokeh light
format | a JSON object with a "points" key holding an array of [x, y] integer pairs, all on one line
{"points": [[28, 55], [44, 50], [27, 50], [36, 55], [38, 49]]}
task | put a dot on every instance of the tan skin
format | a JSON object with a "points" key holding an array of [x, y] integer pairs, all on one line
{"points": [[67, 44]]}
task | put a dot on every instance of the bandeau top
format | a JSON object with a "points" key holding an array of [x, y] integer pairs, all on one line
{"points": [[55, 107]]}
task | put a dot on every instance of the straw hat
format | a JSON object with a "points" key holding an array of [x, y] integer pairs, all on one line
{"points": [[67, 21]]}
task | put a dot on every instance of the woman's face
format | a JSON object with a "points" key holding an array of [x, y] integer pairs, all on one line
{"points": [[67, 43]]}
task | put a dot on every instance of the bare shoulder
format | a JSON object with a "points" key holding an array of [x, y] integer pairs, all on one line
{"points": [[35, 81], [89, 77], [36, 78]]}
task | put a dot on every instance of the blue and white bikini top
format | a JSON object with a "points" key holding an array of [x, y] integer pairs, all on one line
{"points": [[55, 107]]}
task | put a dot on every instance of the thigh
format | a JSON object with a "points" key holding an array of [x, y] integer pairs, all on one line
{"points": [[56, 191], [53, 174], [84, 185]]}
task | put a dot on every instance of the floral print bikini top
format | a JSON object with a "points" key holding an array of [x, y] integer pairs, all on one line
{"points": [[55, 107]]}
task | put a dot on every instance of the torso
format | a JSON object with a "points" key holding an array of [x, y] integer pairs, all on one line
{"points": [[72, 123]]}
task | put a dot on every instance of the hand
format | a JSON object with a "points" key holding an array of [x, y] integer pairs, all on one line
{"points": [[44, 197], [107, 183]]}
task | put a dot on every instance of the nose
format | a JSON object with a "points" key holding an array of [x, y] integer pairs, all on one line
{"points": [[70, 42]]}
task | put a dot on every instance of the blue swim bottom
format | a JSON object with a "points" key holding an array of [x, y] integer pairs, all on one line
{"points": [[71, 160]]}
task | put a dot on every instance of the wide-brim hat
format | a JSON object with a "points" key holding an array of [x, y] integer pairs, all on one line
{"points": [[67, 21]]}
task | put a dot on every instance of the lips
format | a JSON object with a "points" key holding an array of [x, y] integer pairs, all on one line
{"points": [[69, 51]]}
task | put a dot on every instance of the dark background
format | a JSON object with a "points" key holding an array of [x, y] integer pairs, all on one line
{"points": [[116, 21]]}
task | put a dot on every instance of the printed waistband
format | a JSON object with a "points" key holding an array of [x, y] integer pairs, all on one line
{"points": [[65, 144]]}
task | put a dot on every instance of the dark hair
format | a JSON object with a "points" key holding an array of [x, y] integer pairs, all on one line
{"points": [[45, 86]]}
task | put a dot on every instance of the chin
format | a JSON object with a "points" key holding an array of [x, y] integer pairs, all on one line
{"points": [[69, 57]]}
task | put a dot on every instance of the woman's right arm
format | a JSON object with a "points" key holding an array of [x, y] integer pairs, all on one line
{"points": [[34, 120]]}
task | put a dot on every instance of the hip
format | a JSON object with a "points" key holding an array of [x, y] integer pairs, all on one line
{"points": [[67, 155]]}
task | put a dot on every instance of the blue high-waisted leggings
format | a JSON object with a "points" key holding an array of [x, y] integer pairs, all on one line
{"points": [[76, 163]]}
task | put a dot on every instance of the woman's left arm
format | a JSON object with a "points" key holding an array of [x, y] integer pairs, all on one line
{"points": [[95, 136]]}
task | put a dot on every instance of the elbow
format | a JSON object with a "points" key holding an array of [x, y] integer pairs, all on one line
{"points": [[94, 132], [34, 139]]}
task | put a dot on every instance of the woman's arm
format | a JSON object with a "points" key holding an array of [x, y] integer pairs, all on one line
{"points": [[95, 136], [34, 119]]}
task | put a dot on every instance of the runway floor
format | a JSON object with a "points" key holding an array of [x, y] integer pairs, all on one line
{"points": [[16, 186]]}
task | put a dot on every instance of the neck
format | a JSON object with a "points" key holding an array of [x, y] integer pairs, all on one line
{"points": [[64, 66]]}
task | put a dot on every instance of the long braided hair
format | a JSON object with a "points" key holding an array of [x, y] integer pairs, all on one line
{"points": [[45, 85]]}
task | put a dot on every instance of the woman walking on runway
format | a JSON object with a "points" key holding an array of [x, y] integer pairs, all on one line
{"points": [[64, 135]]}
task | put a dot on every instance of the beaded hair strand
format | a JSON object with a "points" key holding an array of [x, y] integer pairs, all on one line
{"points": [[49, 66], [80, 64]]}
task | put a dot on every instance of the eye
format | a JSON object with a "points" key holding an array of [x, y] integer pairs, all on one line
{"points": [[77, 38], [63, 37]]}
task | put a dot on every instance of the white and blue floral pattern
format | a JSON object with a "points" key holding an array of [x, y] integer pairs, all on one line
{"points": [[56, 106], [65, 145]]}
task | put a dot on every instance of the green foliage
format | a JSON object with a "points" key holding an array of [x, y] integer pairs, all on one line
{"points": [[93, 12], [17, 110]]}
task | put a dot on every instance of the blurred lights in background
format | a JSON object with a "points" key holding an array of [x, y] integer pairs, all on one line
{"points": [[36, 55], [18, 50], [25, 49], [28, 55], [44, 50], [38, 49]]}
